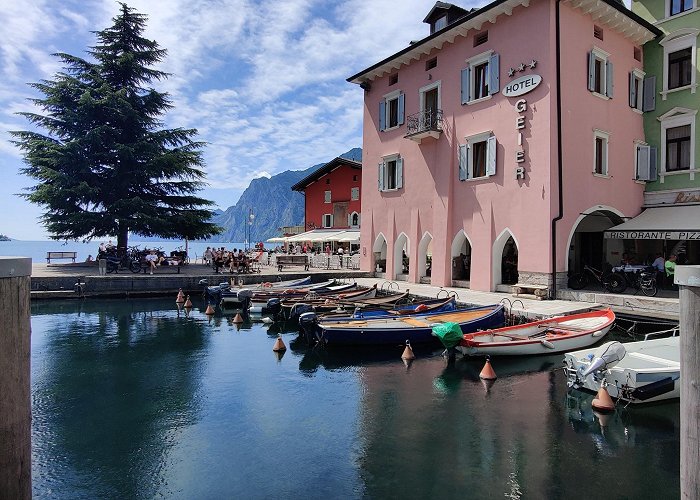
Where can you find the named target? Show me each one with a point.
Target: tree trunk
(123, 236)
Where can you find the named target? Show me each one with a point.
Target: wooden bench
(539, 291)
(292, 260)
(60, 255)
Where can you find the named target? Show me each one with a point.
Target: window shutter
(609, 83)
(462, 158)
(380, 176)
(643, 163)
(491, 156)
(591, 72)
(401, 108)
(382, 115)
(330, 217)
(349, 220)
(494, 74)
(465, 85)
(633, 94)
(399, 173)
(649, 95)
(652, 164)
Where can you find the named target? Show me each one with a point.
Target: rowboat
(397, 329)
(292, 308)
(215, 293)
(558, 334)
(420, 308)
(636, 372)
(261, 301)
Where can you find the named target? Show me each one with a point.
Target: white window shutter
(633, 93)
(349, 220)
(402, 105)
(609, 81)
(653, 168)
(649, 95)
(380, 176)
(462, 160)
(399, 173)
(465, 85)
(331, 219)
(491, 156)
(494, 74)
(643, 163)
(382, 115)
(591, 71)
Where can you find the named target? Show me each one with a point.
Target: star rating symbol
(521, 67)
(533, 63)
(511, 72)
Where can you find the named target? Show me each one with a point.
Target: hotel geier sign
(521, 86)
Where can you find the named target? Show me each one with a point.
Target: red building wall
(339, 182)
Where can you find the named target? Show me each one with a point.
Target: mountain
(273, 203)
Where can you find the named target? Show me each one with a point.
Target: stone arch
(505, 241)
(424, 251)
(401, 246)
(586, 243)
(379, 252)
(461, 246)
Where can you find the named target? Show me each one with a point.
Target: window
(679, 68)
(328, 181)
(637, 54)
(598, 32)
(354, 178)
(636, 90)
(391, 111)
(391, 173)
(600, 152)
(430, 106)
(431, 63)
(680, 65)
(327, 220)
(355, 193)
(644, 162)
(678, 148)
(481, 77)
(678, 6)
(393, 79)
(600, 73)
(439, 24)
(477, 158)
(327, 197)
(354, 220)
(480, 38)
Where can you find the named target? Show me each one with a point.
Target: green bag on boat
(449, 334)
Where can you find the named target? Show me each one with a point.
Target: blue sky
(262, 81)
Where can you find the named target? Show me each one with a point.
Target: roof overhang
(326, 169)
(660, 223)
(606, 12)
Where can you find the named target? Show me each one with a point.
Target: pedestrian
(670, 267)
(152, 258)
(659, 266)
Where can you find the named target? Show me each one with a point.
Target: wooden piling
(688, 280)
(15, 402)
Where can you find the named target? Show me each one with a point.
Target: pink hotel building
(498, 148)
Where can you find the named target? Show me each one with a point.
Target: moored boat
(261, 302)
(558, 334)
(397, 329)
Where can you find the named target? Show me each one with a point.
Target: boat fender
(547, 344)
(598, 333)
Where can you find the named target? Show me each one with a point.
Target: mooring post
(688, 280)
(15, 403)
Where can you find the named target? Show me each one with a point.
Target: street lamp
(251, 218)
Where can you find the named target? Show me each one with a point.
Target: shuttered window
(477, 158)
(481, 78)
(600, 73)
(390, 175)
(391, 111)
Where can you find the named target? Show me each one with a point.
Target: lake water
(37, 249)
(133, 399)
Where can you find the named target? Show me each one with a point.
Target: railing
(424, 121)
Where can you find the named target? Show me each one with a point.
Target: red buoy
(487, 372)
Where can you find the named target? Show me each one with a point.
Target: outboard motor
(273, 306)
(244, 295)
(299, 309)
(308, 323)
(606, 356)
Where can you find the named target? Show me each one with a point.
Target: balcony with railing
(427, 123)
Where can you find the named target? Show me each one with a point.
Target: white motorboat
(635, 372)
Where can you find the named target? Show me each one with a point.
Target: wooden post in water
(15, 403)
(688, 280)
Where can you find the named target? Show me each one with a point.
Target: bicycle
(643, 280)
(610, 281)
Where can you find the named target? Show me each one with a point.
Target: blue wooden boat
(394, 330)
(417, 309)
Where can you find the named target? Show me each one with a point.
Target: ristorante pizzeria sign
(653, 235)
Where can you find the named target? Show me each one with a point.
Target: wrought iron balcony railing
(424, 122)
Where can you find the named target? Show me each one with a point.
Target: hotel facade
(499, 148)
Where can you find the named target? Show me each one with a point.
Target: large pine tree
(106, 165)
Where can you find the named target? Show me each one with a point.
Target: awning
(276, 239)
(349, 237)
(661, 223)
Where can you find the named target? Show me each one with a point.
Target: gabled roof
(324, 170)
(609, 13)
(444, 7)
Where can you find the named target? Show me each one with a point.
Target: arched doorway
(461, 257)
(505, 259)
(425, 256)
(401, 252)
(587, 243)
(379, 250)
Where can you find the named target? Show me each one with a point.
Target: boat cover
(449, 334)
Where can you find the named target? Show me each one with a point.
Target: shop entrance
(505, 259)
(461, 257)
(425, 256)
(379, 250)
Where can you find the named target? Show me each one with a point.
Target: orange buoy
(602, 401)
(180, 297)
(279, 345)
(210, 310)
(238, 318)
(408, 352)
(487, 372)
(188, 303)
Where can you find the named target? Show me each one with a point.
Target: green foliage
(106, 166)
